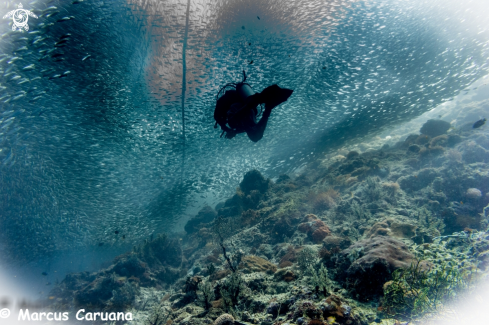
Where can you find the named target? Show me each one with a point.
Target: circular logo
(4, 313)
(20, 17)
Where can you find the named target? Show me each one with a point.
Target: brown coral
(250, 264)
(315, 229)
(224, 319)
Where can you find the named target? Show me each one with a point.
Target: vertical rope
(184, 85)
(184, 71)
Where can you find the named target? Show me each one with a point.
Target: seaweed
(320, 280)
(205, 294)
(158, 317)
(426, 219)
(414, 292)
(306, 257)
(359, 212)
(373, 190)
(232, 291)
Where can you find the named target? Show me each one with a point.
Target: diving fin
(273, 96)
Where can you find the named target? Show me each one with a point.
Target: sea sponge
(224, 319)
(473, 193)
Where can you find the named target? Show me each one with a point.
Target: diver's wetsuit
(241, 114)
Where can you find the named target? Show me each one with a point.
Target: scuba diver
(236, 111)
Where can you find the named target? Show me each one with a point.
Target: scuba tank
(242, 88)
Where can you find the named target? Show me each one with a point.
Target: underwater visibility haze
(369, 186)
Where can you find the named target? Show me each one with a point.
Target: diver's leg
(255, 133)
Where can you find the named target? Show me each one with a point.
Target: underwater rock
(422, 139)
(352, 155)
(424, 178)
(218, 275)
(369, 263)
(473, 194)
(453, 139)
(286, 275)
(434, 128)
(331, 242)
(392, 228)
(251, 263)
(474, 153)
(107, 292)
(205, 215)
(431, 152)
(335, 306)
(289, 258)
(414, 148)
(441, 140)
(315, 229)
(224, 319)
(283, 227)
(410, 139)
(162, 251)
(254, 180)
(129, 266)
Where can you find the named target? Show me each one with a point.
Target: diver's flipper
(273, 96)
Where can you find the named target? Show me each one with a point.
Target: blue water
(103, 147)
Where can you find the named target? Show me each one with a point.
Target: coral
(123, 296)
(352, 154)
(205, 215)
(475, 153)
(249, 217)
(250, 264)
(224, 319)
(273, 309)
(415, 292)
(233, 290)
(289, 257)
(473, 194)
(106, 292)
(434, 128)
(306, 257)
(391, 187)
(331, 242)
(390, 227)
(254, 180)
(372, 190)
(285, 275)
(158, 317)
(335, 306)
(370, 263)
(205, 294)
(315, 229)
(441, 140)
(323, 200)
(283, 228)
(422, 139)
(453, 156)
(221, 274)
(319, 280)
(416, 182)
